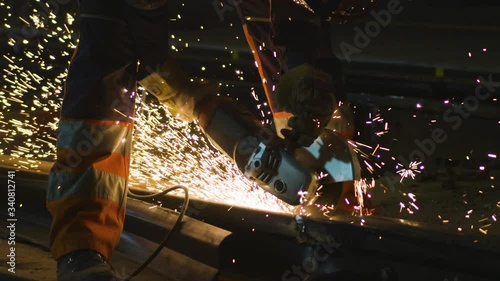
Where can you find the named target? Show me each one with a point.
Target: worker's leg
(148, 21)
(287, 24)
(87, 185)
(276, 32)
(258, 21)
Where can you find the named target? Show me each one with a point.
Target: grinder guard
(333, 156)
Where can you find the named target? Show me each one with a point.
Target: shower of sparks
(370, 165)
(411, 171)
(411, 205)
(168, 151)
(360, 191)
(165, 151)
(30, 99)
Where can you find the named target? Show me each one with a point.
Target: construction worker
(293, 50)
(87, 189)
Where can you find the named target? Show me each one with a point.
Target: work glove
(342, 121)
(308, 94)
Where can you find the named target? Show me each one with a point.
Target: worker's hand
(308, 94)
(342, 121)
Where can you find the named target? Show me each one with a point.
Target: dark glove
(308, 94)
(303, 133)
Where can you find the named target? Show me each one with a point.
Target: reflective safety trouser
(88, 183)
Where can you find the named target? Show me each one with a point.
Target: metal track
(231, 243)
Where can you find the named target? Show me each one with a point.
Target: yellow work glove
(307, 93)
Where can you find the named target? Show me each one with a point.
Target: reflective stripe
(89, 135)
(282, 114)
(71, 161)
(116, 164)
(91, 182)
(101, 122)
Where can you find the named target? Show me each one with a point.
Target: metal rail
(224, 239)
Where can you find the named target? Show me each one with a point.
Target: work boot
(84, 265)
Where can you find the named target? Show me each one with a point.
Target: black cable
(175, 228)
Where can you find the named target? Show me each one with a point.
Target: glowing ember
(360, 189)
(411, 171)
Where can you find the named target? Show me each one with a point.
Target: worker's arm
(257, 151)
